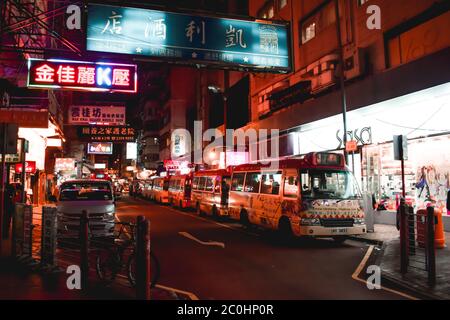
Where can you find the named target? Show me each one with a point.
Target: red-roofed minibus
(159, 189)
(180, 190)
(315, 196)
(210, 189)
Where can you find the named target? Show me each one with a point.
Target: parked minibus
(210, 190)
(180, 190)
(159, 189)
(314, 196)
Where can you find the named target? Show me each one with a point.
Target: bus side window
(237, 182)
(290, 187)
(201, 183)
(209, 184)
(216, 184)
(271, 183)
(195, 183)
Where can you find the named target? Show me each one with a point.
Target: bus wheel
(285, 229)
(340, 239)
(244, 219)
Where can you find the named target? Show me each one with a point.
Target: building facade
(396, 83)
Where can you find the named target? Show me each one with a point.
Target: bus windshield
(329, 184)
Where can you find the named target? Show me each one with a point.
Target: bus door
(225, 184)
(291, 191)
(268, 203)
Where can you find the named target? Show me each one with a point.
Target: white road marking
(189, 294)
(213, 222)
(209, 243)
(362, 264)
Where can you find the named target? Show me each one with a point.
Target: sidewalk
(415, 280)
(19, 282)
(382, 233)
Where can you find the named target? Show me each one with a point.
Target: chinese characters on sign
(78, 75)
(100, 148)
(107, 133)
(64, 164)
(108, 115)
(30, 167)
(220, 41)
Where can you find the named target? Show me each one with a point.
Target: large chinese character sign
(225, 42)
(81, 75)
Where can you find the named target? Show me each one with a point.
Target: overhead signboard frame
(229, 43)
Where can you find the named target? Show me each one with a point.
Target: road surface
(222, 260)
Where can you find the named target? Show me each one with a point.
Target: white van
(94, 196)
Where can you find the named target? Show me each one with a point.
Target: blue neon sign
(198, 39)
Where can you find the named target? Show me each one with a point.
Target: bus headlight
(358, 221)
(310, 222)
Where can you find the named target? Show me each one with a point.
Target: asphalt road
(222, 260)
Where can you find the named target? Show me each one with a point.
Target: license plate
(340, 230)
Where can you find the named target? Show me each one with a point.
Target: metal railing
(417, 240)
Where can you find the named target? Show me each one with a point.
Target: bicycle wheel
(107, 265)
(154, 269)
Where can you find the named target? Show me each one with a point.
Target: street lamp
(224, 93)
(341, 76)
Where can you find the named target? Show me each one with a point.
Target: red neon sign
(30, 167)
(80, 75)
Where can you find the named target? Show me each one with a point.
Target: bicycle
(111, 261)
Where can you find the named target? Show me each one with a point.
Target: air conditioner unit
(323, 81)
(354, 62)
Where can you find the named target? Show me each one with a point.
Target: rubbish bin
(421, 225)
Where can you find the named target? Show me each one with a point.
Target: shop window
(319, 21)
(209, 184)
(271, 183)
(237, 182)
(291, 187)
(252, 182)
(419, 41)
(268, 10)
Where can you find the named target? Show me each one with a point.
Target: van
(96, 197)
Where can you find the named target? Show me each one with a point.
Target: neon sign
(81, 75)
(100, 148)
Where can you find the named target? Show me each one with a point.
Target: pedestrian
(448, 202)
(130, 189)
(8, 209)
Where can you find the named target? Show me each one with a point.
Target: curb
(369, 241)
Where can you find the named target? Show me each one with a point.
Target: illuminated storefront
(39, 139)
(423, 116)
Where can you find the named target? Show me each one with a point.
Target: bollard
(84, 249)
(30, 241)
(403, 237)
(431, 247)
(143, 259)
